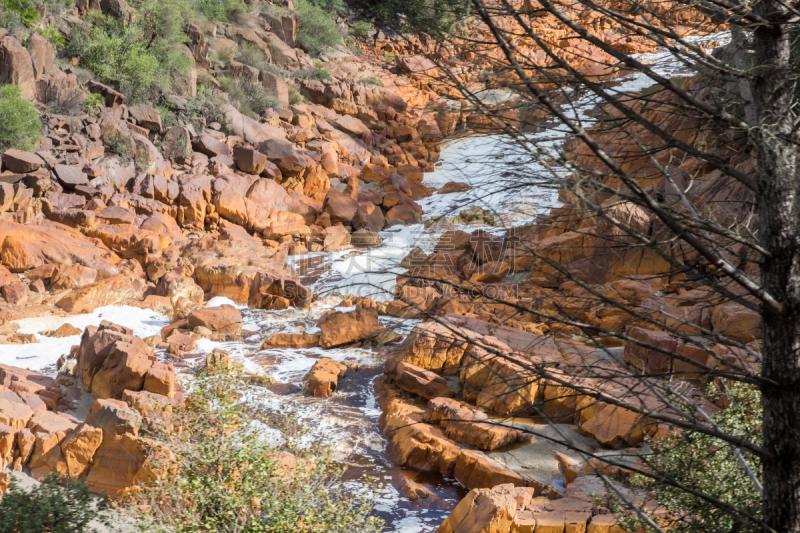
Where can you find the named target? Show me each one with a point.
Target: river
(506, 181)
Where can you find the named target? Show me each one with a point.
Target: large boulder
(248, 160)
(276, 87)
(21, 162)
(208, 145)
(223, 320)
(78, 449)
(16, 67)
(341, 207)
(346, 328)
(281, 152)
(116, 290)
(42, 55)
(323, 378)
(282, 54)
(250, 129)
(421, 382)
(467, 424)
(25, 247)
(111, 359)
(146, 117)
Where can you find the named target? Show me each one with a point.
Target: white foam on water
(217, 301)
(43, 355)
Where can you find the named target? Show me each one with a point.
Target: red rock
(145, 402)
(403, 215)
(374, 173)
(176, 284)
(114, 417)
(736, 322)
(21, 162)
(16, 67)
(116, 464)
(50, 422)
(492, 510)
(160, 379)
(485, 247)
(116, 215)
(183, 343)
(79, 448)
(42, 55)
(112, 97)
(350, 124)
(146, 117)
(71, 176)
(15, 414)
(423, 448)
(60, 200)
(15, 293)
(345, 328)
(225, 319)
(422, 382)
(116, 290)
(38, 287)
(454, 186)
(464, 423)
(208, 145)
(249, 160)
(475, 470)
(72, 277)
(110, 359)
(322, 379)
(25, 247)
(291, 340)
(340, 207)
(281, 152)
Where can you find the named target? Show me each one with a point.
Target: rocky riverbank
(157, 249)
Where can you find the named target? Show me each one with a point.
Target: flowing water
(506, 180)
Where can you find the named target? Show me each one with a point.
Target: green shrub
(56, 506)
(390, 56)
(213, 10)
(372, 80)
(295, 96)
(206, 108)
(142, 58)
(54, 36)
(220, 10)
(169, 118)
(94, 103)
(360, 28)
(120, 144)
(20, 126)
(316, 28)
(331, 6)
(313, 73)
(19, 12)
(224, 52)
(251, 98)
(709, 466)
(252, 55)
(227, 477)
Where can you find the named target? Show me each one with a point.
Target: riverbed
(506, 181)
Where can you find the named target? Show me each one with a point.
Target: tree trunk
(779, 233)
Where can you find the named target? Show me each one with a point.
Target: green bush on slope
(56, 506)
(20, 126)
(141, 58)
(18, 13)
(316, 27)
(706, 465)
(230, 475)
